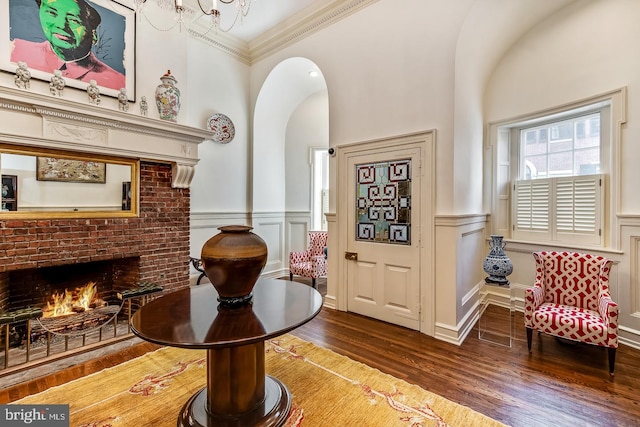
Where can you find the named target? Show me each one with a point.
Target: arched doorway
(290, 128)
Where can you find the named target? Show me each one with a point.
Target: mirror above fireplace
(45, 183)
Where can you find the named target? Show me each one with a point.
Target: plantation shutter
(566, 209)
(532, 205)
(576, 202)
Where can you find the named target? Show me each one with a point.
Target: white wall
(489, 29)
(280, 94)
(308, 128)
(389, 71)
(554, 65)
(584, 50)
(219, 85)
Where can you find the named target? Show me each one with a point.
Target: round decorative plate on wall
(222, 128)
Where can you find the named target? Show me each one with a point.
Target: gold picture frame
(70, 170)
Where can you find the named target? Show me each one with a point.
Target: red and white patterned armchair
(311, 262)
(570, 299)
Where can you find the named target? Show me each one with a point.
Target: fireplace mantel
(45, 121)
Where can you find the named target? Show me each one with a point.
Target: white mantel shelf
(46, 121)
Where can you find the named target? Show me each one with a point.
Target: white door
(383, 243)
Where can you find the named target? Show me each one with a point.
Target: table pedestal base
(272, 412)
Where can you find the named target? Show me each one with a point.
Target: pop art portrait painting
(85, 40)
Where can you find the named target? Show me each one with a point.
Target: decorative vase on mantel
(233, 260)
(497, 264)
(168, 98)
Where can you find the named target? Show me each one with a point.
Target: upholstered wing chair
(570, 299)
(312, 262)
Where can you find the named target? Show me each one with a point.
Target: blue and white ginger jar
(497, 264)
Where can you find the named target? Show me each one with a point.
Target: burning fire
(71, 302)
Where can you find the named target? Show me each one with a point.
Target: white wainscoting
(627, 289)
(298, 225)
(270, 226)
(460, 248)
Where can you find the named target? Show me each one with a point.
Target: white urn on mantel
(168, 98)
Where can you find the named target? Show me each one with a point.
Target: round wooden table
(238, 393)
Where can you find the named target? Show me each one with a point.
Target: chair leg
(313, 283)
(612, 360)
(529, 338)
(202, 276)
(291, 276)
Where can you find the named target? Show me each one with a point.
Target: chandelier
(178, 8)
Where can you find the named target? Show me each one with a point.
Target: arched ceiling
(492, 26)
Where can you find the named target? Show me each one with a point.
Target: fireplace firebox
(53, 310)
(35, 287)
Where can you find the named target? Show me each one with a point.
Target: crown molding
(229, 44)
(301, 25)
(297, 27)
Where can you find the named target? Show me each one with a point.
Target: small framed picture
(69, 170)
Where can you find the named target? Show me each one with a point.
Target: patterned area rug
(327, 390)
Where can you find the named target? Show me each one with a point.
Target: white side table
(496, 316)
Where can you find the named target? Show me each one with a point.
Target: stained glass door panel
(383, 202)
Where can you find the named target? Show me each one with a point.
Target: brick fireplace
(42, 255)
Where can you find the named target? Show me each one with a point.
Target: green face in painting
(66, 27)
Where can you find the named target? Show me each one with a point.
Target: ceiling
(264, 15)
(268, 26)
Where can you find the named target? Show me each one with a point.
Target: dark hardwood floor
(557, 385)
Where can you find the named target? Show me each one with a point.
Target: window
(558, 185)
(555, 175)
(574, 148)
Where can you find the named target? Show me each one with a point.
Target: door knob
(352, 256)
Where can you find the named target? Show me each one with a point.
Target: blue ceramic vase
(497, 264)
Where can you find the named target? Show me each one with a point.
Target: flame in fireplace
(71, 302)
